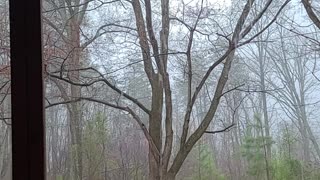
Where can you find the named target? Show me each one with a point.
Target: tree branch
(155, 150)
(312, 15)
(104, 80)
(221, 130)
(267, 26)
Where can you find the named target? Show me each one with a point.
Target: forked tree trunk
(160, 83)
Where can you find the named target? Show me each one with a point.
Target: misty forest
(175, 89)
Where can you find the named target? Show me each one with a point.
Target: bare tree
(157, 50)
(293, 73)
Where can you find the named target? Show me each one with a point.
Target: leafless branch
(5, 121)
(312, 15)
(226, 129)
(267, 26)
(107, 82)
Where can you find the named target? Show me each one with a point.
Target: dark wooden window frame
(28, 142)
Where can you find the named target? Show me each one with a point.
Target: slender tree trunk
(8, 172)
(265, 110)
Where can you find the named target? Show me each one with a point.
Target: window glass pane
(5, 104)
(181, 89)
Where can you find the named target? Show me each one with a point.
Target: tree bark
(75, 92)
(155, 127)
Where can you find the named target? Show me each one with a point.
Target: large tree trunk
(160, 83)
(75, 116)
(76, 143)
(155, 127)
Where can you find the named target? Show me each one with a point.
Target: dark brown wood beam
(28, 142)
